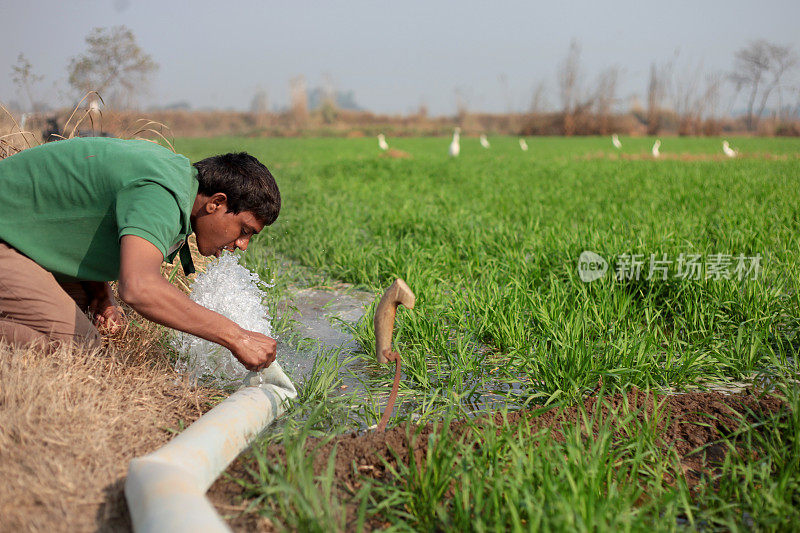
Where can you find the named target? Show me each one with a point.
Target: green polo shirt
(66, 204)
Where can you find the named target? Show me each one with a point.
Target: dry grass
(70, 422)
(13, 139)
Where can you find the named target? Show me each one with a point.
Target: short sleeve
(149, 211)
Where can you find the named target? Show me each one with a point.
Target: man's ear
(216, 201)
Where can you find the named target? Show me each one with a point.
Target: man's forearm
(160, 301)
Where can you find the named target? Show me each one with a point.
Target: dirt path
(693, 420)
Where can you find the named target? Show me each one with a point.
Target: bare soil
(683, 156)
(391, 153)
(691, 421)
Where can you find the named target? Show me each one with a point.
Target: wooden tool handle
(397, 294)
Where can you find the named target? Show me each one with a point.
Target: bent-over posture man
(78, 213)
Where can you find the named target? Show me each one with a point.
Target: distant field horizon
(339, 123)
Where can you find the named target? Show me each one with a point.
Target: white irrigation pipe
(166, 489)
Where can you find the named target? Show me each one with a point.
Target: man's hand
(254, 350)
(107, 316)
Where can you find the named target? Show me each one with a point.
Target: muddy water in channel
(319, 314)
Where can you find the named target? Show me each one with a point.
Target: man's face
(219, 229)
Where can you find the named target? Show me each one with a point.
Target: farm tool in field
(397, 294)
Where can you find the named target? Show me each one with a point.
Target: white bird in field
(382, 142)
(455, 145)
(523, 145)
(656, 146)
(730, 152)
(615, 141)
(484, 141)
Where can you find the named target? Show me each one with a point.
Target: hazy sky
(393, 55)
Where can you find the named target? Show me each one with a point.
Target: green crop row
(490, 243)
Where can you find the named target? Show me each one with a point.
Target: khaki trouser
(35, 307)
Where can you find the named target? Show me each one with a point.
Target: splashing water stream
(235, 292)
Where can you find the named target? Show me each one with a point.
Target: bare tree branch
(656, 91)
(759, 67)
(606, 96)
(568, 84)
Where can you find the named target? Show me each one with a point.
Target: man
(79, 213)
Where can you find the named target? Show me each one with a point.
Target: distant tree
(25, 79)
(606, 97)
(692, 100)
(113, 65)
(462, 99)
(758, 69)
(656, 90)
(422, 109)
(577, 102)
(299, 98)
(710, 106)
(794, 111)
(569, 77)
(260, 102)
(328, 108)
(259, 107)
(786, 109)
(686, 99)
(538, 99)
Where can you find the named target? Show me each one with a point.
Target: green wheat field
(701, 291)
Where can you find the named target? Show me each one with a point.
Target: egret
(656, 146)
(730, 152)
(523, 145)
(615, 141)
(382, 142)
(484, 141)
(455, 145)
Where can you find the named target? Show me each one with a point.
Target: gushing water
(235, 292)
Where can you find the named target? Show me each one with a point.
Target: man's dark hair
(246, 182)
